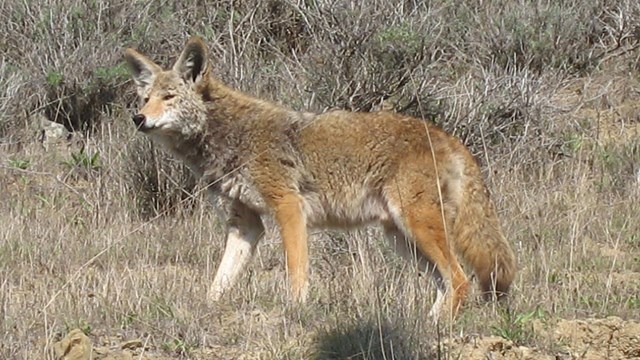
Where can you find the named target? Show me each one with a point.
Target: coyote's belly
(351, 207)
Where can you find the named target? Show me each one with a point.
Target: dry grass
(107, 234)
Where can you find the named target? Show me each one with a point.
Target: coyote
(337, 169)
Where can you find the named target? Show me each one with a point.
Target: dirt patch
(611, 338)
(78, 346)
(628, 279)
(611, 103)
(492, 347)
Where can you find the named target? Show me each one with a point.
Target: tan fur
(337, 169)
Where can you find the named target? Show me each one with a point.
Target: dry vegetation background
(104, 232)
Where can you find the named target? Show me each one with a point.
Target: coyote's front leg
(293, 230)
(244, 231)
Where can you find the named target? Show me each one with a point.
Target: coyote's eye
(169, 96)
(146, 99)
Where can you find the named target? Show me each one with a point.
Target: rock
(51, 132)
(75, 346)
(131, 344)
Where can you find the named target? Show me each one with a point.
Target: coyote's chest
(238, 186)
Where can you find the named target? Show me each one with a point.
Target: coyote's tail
(479, 240)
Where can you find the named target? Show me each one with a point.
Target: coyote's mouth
(144, 128)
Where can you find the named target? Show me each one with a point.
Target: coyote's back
(338, 169)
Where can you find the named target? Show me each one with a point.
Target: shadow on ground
(366, 340)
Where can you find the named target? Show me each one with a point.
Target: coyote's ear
(142, 69)
(192, 64)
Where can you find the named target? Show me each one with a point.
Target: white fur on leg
(301, 295)
(241, 244)
(437, 306)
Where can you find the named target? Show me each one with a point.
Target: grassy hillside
(102, 231)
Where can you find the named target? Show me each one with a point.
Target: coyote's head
(171, 104)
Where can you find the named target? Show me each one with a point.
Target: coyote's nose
(138, 119)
